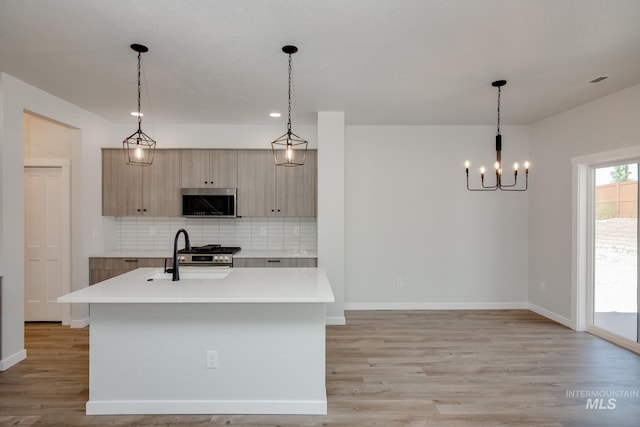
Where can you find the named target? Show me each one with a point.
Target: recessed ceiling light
(275, 115)
(136, 114)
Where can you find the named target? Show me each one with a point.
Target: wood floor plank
(384, 368)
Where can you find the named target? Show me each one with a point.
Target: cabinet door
(209, 168)
(256, 183)
(161, 185)
(195, 168)
(223, 168)
(121, 185)
(296, 188)
(101, 269)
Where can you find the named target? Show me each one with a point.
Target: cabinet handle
(131, 260)
(138, 210)
(273, 260)
(144, 210)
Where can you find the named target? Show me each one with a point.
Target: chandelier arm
(494, 188)
(526, 185)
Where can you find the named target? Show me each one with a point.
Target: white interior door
(46, 263)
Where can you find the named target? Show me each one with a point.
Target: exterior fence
(617, 200)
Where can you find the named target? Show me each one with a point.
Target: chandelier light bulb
(139, 153)
(515, 166)
(526, 165)
(496, 165)
(482, 170)
(289, 153)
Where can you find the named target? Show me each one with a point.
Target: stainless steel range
(208, 255)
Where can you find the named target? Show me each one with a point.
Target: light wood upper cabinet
(209, 168)
(296, 188)
(130, 190)
(256, 185)
(265, 189)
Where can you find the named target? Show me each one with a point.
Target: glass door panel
(615, 292)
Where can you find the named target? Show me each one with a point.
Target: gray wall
(608, 123)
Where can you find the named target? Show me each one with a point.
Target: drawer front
(275, 262)
(124, 263)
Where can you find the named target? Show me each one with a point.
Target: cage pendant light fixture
(289, 149)
(139, 147)
(499, 183)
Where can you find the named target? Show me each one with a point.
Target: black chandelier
(499, 185)
(139, 147)
(289, 149)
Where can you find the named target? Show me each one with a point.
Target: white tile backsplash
(251, 233)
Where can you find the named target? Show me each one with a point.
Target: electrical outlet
(152, 231)
(399, 282)
(211, 359)
(263, 231)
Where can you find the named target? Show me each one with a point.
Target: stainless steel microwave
(209, 202)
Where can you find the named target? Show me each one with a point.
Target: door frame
(582, 273)
(65, 166)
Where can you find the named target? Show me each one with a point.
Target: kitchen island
(220, 340)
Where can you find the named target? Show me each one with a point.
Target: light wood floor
(385, 368)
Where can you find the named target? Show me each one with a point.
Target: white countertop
(244, 253)
(241, 285)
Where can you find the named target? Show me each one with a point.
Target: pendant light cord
(139, 91)
(289, 122)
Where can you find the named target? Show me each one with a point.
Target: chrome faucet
(187, 246)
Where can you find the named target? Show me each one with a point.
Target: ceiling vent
(598, 79)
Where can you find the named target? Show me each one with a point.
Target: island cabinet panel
(131, 190)
(101, 269)
(209, 168)
(275, 262)
(265, 189)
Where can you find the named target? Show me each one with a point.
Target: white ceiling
(390, 62)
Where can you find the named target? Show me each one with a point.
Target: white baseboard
(80, 323)
(553, 316)
(336, 320)
(13, 360)
(437, 306)
(128, 407)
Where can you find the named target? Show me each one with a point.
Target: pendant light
(139, 148)
(289, 149)
(499, 185)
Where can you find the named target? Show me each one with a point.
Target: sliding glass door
(615, 251)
